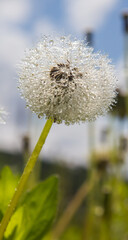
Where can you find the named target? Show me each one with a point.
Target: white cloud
(87, 14)
(13, 41)
(12, 44)
(68, 143)
(121, 75)
(9, 138)
(14, 11)
(44, 26)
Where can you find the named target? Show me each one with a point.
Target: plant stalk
(72, 208)
(21, 185)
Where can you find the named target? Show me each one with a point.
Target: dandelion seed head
(64, 80)
(3, 114)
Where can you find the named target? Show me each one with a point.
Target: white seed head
(64, 80)
(2, 115)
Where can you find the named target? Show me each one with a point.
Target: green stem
(28, 169)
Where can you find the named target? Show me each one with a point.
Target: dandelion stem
(28, 169)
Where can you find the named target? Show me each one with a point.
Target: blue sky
(22, 22)
(108, 36)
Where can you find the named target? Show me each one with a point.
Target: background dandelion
(2, 115)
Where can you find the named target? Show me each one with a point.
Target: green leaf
(36, 214)
(8, 182)
(15, 223)
(12, 236)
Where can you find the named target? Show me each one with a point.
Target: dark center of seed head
(62, 71)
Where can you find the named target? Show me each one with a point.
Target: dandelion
(2, 115)
(65, 81)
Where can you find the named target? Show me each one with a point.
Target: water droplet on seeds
(51, 42)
